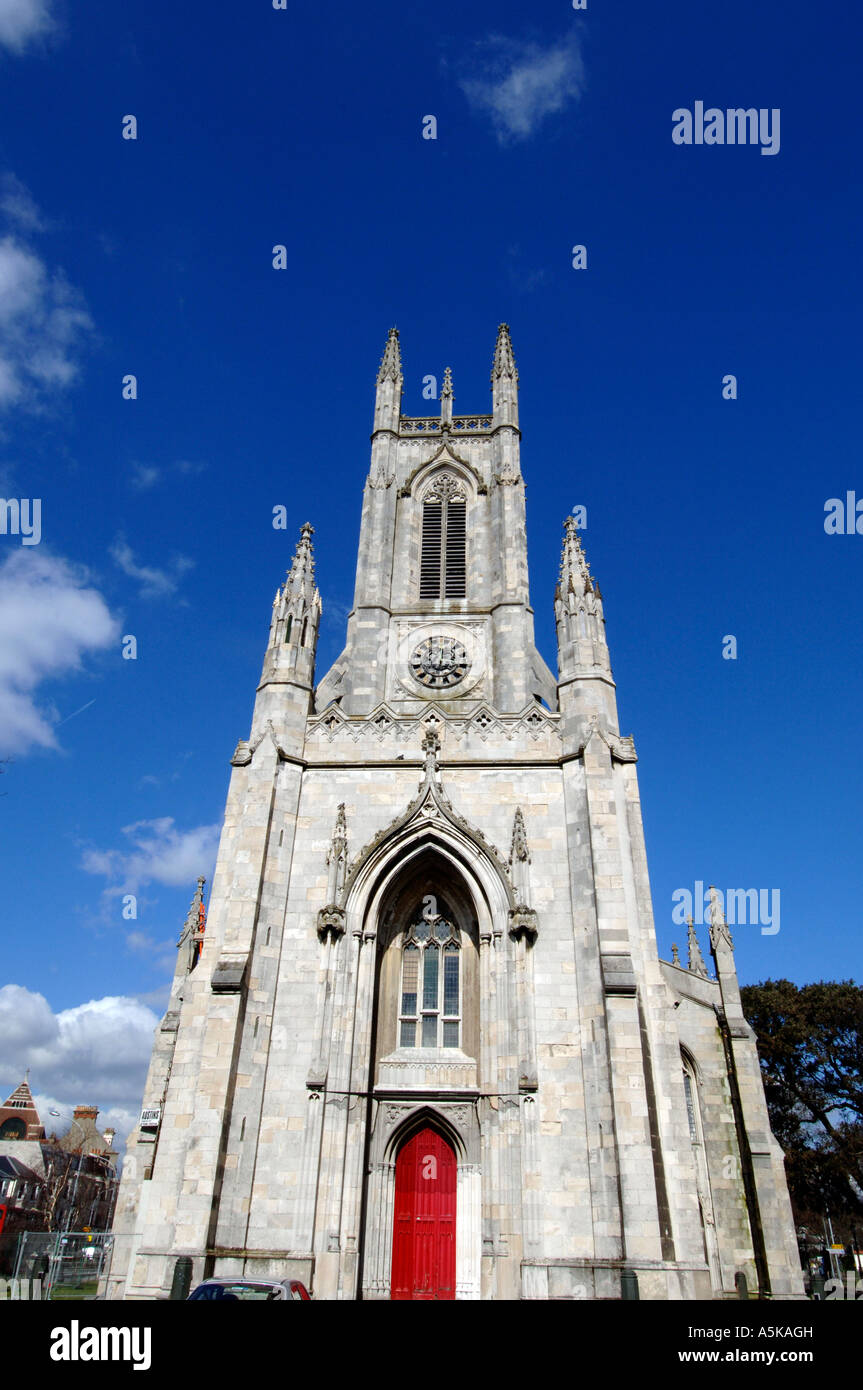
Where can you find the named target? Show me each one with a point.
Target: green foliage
(810, 1041)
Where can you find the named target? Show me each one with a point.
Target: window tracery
(430, 994)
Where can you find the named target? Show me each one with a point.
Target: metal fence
(60, 1265)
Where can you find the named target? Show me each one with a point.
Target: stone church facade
(425, 1047)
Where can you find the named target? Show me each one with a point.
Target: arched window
(288, 625)
(702, 1174)
(303, 633)
(443, 560)
(691, 1101)
(430, 995)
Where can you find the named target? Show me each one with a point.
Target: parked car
(255, 1290)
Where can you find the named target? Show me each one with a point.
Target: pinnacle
(695, 961)
(299, 587)
(574, 570)
(518, 849)
(194, 914)
(446, 389)
(391, 362)
(504, 360)
(303, 563)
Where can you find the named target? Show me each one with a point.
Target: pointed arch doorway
(424, 1226)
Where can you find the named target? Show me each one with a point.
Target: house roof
(13, 1168)
(83, 1136)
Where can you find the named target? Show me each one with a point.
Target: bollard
(741, 1285)
(629, 1286)
(182, 1280)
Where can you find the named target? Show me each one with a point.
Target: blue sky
(303, 127)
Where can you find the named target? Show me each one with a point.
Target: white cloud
(155, 583)
(147, 475)
(159, 853)
(49, 618)
(18, 205)
(520, 84)
(94, 1054)
(22, 21)
(43, 323)
(144, 476)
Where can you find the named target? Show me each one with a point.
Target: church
(422, 1045)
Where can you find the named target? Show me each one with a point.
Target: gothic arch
(689, 1060)
(445, 461)
(463, 846)
(425, 1115)
(399, 915)
(395, 1124)
(695, 1124)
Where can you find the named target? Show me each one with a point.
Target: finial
(518, 849)
(675, 955)
(719, 930)
(446, 399)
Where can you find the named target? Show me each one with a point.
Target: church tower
(424, 1047)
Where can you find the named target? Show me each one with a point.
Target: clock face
(439, 662)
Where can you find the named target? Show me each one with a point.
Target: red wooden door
(424, 1226)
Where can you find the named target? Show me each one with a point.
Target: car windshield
(259, 1292)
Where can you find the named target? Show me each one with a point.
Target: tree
(810, 1041)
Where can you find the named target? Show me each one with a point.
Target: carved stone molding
(621, 747)
(331, 919)
(384, 726)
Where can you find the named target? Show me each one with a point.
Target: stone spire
(290, 656)
(390, 384)
(504, 359)
(695, 962)
(391, 362)
(582, 650)
(298, 601)
(575, 577)
(504, 380)
(446, 397)
(301, 575)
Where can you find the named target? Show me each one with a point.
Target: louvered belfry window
(443, 562)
